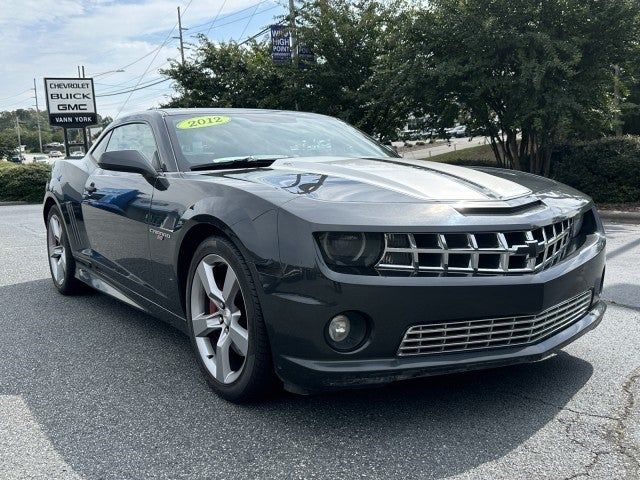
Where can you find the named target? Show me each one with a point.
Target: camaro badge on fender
(159, 235)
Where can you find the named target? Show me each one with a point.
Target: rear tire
(61, 262)
(226, 326)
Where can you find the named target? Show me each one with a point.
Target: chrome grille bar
(490, 253)
(461, 336)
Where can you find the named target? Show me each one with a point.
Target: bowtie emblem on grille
(532, 249)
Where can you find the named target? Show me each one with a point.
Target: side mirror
(127, 161)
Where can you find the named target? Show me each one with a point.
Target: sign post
(71, 103)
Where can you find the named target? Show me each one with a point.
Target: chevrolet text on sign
(71, 102)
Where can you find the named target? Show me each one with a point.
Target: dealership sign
(280, 45)
(71, 102)
(281, 48)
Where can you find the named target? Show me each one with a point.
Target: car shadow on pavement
(119, 395)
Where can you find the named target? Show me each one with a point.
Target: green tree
(525, 73)
(232, 76)
(8, 142)
(347, 39)
(631, 111)
(28, 120)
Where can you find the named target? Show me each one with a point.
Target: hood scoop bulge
(422, 180)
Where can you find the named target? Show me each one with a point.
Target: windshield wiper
(238, 162)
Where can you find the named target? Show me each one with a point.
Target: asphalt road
(90, 388)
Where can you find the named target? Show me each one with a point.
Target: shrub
(472, 162)
(23, 182)
(607, 169)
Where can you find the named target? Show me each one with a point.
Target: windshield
(209, 138)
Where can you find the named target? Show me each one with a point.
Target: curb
(11, 204)
(620, 216)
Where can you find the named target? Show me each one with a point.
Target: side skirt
(112, 288)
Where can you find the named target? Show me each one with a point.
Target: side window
(100, 147)
(134, 136)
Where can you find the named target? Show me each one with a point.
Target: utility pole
(180, 36)
(35, 93)
(292, 32)
(294, 45)
(616, 96)
(18, 132)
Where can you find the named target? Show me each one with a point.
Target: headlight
(577, 225)
(586, 224)
(351, 249)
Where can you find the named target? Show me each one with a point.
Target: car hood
(387, 180)
(403, 192)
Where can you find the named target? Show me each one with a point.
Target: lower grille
(493, 333)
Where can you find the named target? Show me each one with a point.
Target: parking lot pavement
(90, 388)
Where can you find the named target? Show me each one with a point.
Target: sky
(50, 38)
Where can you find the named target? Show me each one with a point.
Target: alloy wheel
(57, 258)
(219, 319)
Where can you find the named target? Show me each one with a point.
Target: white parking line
(25, 450)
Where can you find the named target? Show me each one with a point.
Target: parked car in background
(459, 131)
(430, 133)
(40, 159)
(290, 246)
(53, 146)
(18, 158)
(55, 154)
(76, 154)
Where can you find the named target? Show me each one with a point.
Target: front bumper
(305, 376)
(299, 306)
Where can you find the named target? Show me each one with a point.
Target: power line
(194, 33)
(157, 50)
(150, 63)
(14, 96)
(249, 21)
(117, 86)
(126, 87)
(160, 47)
(216, 17)
(264, 30)
(232, 14)
(141, 87)
(15, 103)
(138, 100)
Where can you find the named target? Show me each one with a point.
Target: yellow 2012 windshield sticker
(201, 122)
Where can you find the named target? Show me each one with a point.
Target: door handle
(91, 188)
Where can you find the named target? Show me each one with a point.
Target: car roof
(168, 112)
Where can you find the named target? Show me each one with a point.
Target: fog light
(347, 331)
(339, 328)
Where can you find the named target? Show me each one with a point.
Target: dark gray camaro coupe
(291, 246)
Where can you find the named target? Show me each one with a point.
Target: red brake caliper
(213, 308)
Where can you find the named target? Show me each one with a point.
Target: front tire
(61, 262)
(225, 323)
